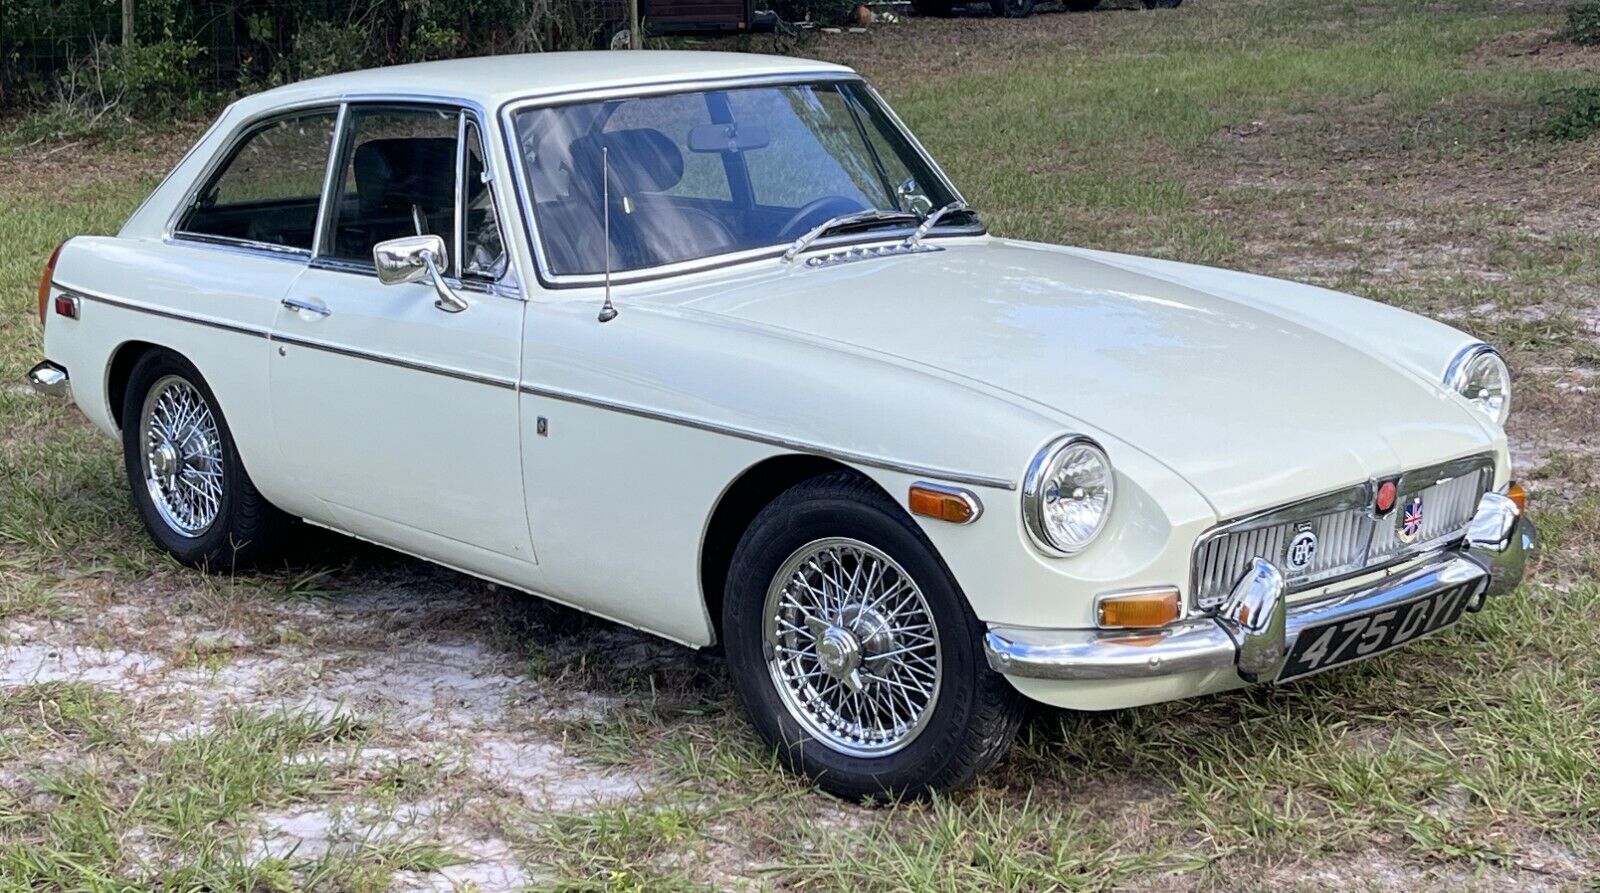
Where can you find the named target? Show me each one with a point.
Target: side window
(269, 189)
(483, 253)
(398, 179)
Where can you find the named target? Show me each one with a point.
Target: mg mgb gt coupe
(709, 345)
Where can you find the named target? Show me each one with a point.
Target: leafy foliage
(1583, 23)
(190, 55)
(1577, 113)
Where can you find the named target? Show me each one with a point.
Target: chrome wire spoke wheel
(852, 647)
(183, 469)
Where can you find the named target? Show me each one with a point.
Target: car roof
(493, 80)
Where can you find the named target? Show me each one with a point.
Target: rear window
(268, 190)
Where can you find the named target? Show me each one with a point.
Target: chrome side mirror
(413, 259)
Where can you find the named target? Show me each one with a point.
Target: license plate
(1356, 638)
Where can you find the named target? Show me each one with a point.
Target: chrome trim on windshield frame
(524, 193)
(938, 474)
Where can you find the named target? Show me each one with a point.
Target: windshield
(707, 173)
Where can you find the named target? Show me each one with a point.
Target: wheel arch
(740, 502)
(120, 369)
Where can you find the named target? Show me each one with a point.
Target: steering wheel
(816, 211)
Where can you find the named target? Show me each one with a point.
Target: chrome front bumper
(1255, 630)
(50, 380)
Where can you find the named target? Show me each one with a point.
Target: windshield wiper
(932, 220)
(844, 221)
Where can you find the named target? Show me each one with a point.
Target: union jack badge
(1411, 521)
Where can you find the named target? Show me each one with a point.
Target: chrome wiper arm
(932, 220)
(871, 215)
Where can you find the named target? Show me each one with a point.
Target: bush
(154, 78)
(823, 12)
(1583, 23)
(1577, 113)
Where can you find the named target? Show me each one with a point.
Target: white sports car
(708, 345)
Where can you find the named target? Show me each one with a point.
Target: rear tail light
(44, 281)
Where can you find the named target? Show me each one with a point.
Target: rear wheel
(187, 481)
(854, 652)
(1013, 9)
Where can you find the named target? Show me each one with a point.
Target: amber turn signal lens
(955, 506)
(1519, 495)
(1139, 610)
(44, 281)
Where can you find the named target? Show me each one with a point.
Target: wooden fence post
(127, 23)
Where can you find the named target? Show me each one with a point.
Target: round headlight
(1480, 375)
(1067, 495)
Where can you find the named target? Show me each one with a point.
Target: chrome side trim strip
(941, 474)
(211, 322)
(397, 362)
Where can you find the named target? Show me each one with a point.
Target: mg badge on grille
(1411, 521)
(1302, 549)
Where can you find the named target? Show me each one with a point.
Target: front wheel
(854, 652)
(187, 481)
(1013, 9)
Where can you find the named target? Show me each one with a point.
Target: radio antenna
(608, 312)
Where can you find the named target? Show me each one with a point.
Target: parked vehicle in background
(1017, 9)
(667, 18)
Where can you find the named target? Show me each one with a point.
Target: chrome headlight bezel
(1465, 367)
(1044, 467)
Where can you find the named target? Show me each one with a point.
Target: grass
(1388, 149)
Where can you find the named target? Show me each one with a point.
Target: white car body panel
(524, 441)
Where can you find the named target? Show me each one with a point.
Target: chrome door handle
(308, 306)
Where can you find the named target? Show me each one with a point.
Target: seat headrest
(642, 160)
(397, 173)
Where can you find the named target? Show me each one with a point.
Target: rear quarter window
(268, 189)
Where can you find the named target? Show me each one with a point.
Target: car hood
(1243, 401)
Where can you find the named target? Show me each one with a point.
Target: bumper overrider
(50, 380)
(1256, 630)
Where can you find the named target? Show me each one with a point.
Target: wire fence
(212, 45)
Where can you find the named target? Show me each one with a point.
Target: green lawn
(1394, 149)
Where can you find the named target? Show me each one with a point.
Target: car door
(400, 415)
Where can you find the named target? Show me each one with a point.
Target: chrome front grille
(1350, 537)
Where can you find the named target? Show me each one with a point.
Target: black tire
(614, 36)
(976, 712)
(246, 529)
(1080, 5)
(1013, 9)
(935, 8)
